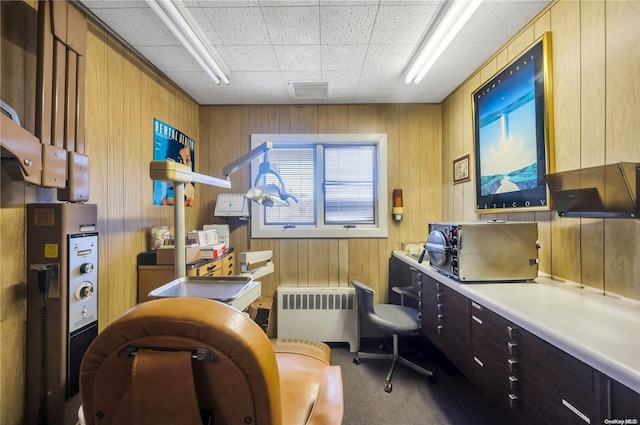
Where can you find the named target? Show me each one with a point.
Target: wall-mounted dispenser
(397, 204)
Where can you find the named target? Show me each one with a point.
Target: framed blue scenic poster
(513, 134)
(171, 144)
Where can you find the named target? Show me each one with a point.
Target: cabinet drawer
(539, 360)
(492, 326)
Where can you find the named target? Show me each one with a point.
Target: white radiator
(328, 314)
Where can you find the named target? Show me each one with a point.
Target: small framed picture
(461, 169)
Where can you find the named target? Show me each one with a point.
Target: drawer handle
(513, 348)
(440, 308)
(513, 382)
(441, 318)
(576, 411)
(439, 297)
(440, 328)
(211, 268)
(513, 400)
(477, 360)
(513, 331)
(476, 305)
(513, 364)
(476, 319)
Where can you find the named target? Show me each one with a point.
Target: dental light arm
(246, 159)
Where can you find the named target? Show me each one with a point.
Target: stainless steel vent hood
(607, 191)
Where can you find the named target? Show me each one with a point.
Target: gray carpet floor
(413, 400)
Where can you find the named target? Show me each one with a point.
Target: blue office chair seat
(394, 320)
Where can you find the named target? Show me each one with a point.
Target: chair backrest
(364, 294)
(165, 361)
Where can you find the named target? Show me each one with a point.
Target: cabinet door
(445, 321)
(625, 403)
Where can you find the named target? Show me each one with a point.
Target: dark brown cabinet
(531, 380)
(445, 320)
(527, 377)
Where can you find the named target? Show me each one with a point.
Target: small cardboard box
(165, 256)
(214, 251)
(260, 311)
(203, 237)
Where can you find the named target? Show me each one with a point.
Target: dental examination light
(268, 195)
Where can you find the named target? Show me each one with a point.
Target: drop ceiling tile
(205, 26)
(170, 58)
(341, 80)
(282, 3)
(293, 25)
(298, 58)
(238, 26)
(371, 96)
(199, 86)
(253, 58)
(301, 76)
(139, 26)
(349, 2)
(272, 97)
(264, 80)
(343, 57)
(403, 24)
(346, 24)
(229, 3)
(114, 4)
(342, 96)
(385, 60)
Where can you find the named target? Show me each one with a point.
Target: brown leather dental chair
(194, 361)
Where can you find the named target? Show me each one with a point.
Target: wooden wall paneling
(411, 164)
(468, 187)
(359, 264)
(333, 263)
(592, 108)
(96, 146)
(318, 263)
(458, 149)
(134, 229)
(116, 254)
(343, 262)
(395, 159)
(287, 263)
(622, 126)
(447, 198)
(565, 22)
(302, 263)
(17, 87)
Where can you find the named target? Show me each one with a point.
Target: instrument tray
(223, 289)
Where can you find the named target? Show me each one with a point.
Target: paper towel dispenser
(606, 191)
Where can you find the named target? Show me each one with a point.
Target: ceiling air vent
(309, 89)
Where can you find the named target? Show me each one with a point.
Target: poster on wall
(173, 145)
(513, 134)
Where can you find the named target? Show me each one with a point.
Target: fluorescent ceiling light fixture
(172, 15)
(456, 16)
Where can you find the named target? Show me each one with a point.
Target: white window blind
(338, 179)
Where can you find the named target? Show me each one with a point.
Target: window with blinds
(338, 180)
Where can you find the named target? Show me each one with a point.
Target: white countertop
(600, 330)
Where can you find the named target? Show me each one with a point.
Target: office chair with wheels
(394, 320)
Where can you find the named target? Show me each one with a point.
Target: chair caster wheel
(356, 360)
(433, 378)
(388, 388)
